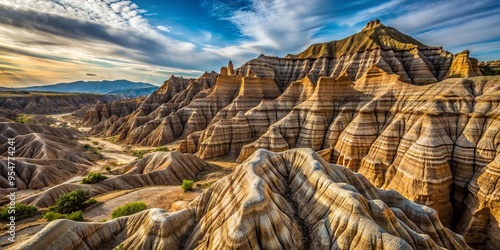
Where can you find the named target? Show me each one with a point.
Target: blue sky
(46, 42)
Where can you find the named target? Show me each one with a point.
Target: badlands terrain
(372, 141)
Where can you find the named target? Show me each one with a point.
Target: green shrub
(108, 168)
(94, 178)
(22, 118)
(51, 215)
(95, 142)
(87, 146)
(112, 163)
(72, 202)
(22, 211)
(162, 148)
(119, 247)
(187, 185)
(139, 153)
(76, 216)
(128, 209)
(89, 202)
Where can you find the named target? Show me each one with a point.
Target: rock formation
(490, 67)
(103, 111)
(44, 155)
(409, 117)
(290, 200)
(49, 103)
(377, 44)
(220, 96)
(160, 168)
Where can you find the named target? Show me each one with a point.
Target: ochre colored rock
(379, 102)
(464, 66)
(160, 168)
(290, 200)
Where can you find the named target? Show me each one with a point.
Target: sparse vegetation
(51, 215)
(127, 148)
(113, 138)
(94, 150)
(162, 148)
(94, 178)
(489, 71)
(72, 202)
(119, 247)
(112, 163)
(22, 211)
(22, 118)
(187, 184)
(108, 168)
(95, 142)
(139, 153)
(128, 209)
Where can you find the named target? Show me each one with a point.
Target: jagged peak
(373, 24)
(375, 35)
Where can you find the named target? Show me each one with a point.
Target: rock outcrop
(219, 96)
(50, 103)
(160, 168)
(290, 200)
(99, 112)
(44, 156)
(410, 117)
(377, 44)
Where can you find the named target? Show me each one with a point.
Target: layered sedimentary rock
(410, 117)
(377, 44)
(160, 168)
(50, 103)
(219, 96)
(290, 200)
(44, 155)
(490, 67)
(103, 111)
(463, 66)
(425, 142)
(259, 118)
(173, 95)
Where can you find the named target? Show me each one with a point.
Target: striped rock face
(409, 117)
(289, 200)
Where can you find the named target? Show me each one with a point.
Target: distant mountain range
(117, 87)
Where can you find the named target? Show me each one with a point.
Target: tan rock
(463, 66)
(160, 168)
(44, 155)
(290, 200)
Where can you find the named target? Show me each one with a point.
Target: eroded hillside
(372, 141)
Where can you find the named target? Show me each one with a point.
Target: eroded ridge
(288, 200)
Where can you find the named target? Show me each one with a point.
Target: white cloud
(206, 34)
(98, 31)
(279, 27)
(115, 38)
(164, 28)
